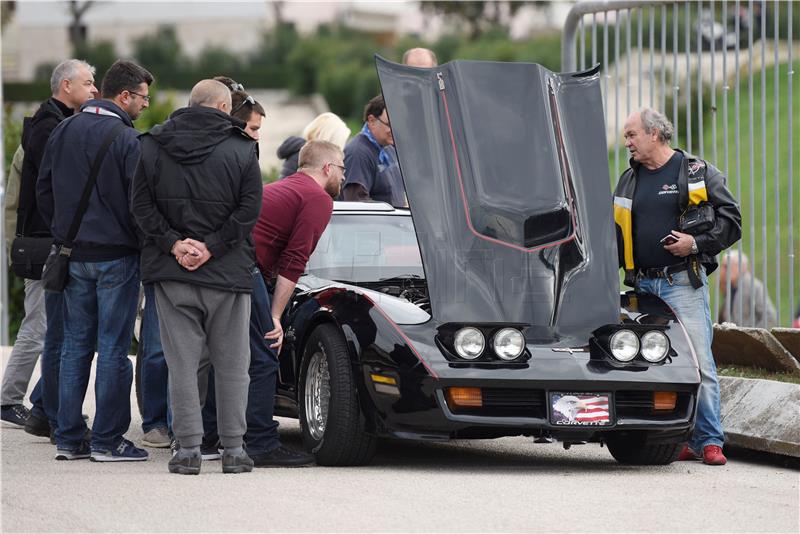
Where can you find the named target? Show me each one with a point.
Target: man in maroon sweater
(294, 213)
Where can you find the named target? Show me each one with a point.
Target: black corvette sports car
(491, 307)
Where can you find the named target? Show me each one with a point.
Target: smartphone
(668, 239)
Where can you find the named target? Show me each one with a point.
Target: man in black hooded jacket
(196, 197)
(72, 84)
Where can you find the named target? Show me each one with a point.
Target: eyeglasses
(146, 98)
(386, 123)
(249, 100)
(236, 87)
(342, 167)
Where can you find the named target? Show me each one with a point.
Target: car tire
(330, 416)
(632, 449)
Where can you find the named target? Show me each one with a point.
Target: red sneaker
(687, 454)
(712, 455)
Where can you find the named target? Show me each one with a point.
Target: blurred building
(37, 33)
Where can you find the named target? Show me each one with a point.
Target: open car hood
(506, 172)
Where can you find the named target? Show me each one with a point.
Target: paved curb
(761, 415)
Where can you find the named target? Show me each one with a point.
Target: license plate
(580, 409)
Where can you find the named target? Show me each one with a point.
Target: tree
(77, 29)
(478, 16)
(161, 53)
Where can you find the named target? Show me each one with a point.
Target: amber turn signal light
(465, 397)
(664, 400)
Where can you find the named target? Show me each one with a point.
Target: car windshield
(367, 248)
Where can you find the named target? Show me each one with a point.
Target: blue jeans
(154, 374)
(100, 309)
(45, 402)
(262, 429)
(693, 310)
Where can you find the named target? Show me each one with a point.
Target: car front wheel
(330, 418)
(633, 449)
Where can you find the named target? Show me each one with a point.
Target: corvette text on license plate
(583, 409)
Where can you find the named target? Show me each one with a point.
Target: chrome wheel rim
(317, 395)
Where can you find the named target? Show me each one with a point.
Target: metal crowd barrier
(696, 62)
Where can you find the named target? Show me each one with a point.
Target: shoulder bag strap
(87, 190)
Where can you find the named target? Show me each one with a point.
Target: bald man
(196, 197)
(420, 57)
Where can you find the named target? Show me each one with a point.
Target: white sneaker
(157, 438)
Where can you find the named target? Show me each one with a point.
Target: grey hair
(655, 120)
(67, 70)
(733, 256)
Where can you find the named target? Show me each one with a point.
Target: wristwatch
(695, 250)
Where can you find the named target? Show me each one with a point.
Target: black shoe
(16, 414)
(81, 452)
(283, 457)
(211, 451)
(38, 426)
(184, 463)
(240, 463)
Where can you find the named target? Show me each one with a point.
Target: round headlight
(469, 343)
(655, 346)
(624, 345)
(508, 343)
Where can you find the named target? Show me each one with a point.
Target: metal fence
(723, 72)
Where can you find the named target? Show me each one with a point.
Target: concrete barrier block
(790, 339)
(761, 415)
(751, 347)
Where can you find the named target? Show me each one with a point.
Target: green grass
(756, 372)
(754, 218)
(750, 198)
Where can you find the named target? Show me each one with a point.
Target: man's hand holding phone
(668, 239)
(678, 244)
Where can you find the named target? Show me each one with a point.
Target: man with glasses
(370, 160)
(71, 84)
(102, 292)
(294, 213)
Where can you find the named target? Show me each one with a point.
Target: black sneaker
(125, 451)
(283, 457)
(184, 463)
(15, 414)
(240, 463)
(211, 451)
(83, 451)
(38, 426)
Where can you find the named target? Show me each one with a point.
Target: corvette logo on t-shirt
(668, 189)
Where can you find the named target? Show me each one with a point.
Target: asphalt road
(509, 484)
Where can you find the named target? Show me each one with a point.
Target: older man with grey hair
(748, 303)
(674, 214)
(420, 57)
(71, 84)
(196, 197)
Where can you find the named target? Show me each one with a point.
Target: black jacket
(290, 151)
(698, 181)
(35, 133)
(107, 230)
(198, 177)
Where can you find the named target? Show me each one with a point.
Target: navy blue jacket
(107, 230)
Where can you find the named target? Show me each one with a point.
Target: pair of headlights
(508, 343)
(625, 345)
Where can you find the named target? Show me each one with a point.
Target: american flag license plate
(582, 409)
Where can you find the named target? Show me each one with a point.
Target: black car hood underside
(506, 171)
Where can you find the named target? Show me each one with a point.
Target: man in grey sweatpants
(196, 197)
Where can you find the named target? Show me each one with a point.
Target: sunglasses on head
(249, 100)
